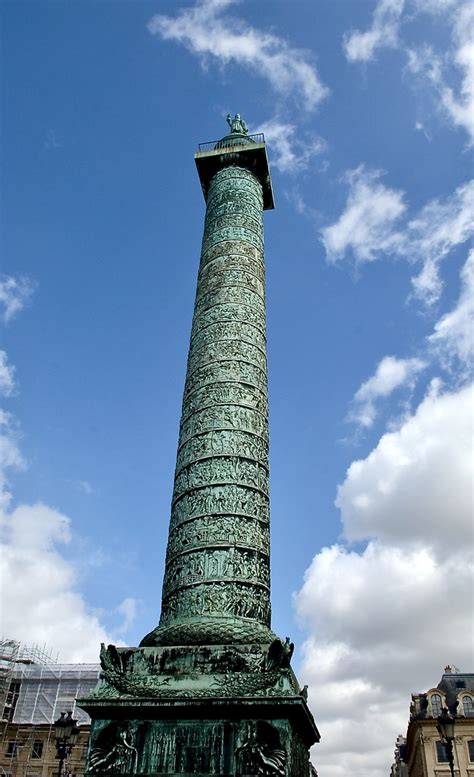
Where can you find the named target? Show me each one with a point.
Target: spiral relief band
(217, 560)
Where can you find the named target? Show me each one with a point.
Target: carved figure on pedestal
(112, 750)
(261, 751)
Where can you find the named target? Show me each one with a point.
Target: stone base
(241, 738)
(226, 711)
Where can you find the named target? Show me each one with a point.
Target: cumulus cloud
(374, 619)
(373, 615)
(391, 373)
(362, 46)
(453, 336)
(209, 33)
(290, 151)
(14, 295)
(366, 227)
(7, 375)
(57, 614)
(403, 491)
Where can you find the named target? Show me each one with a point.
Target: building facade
(35, 691)
(425, 754)
(399, 767)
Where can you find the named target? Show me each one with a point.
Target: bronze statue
(237, 124)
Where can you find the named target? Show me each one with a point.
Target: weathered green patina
(210, 691)
(216, 588)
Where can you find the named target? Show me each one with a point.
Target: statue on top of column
(237, 124)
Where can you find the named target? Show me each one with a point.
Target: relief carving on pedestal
(113, 749)
(261, 752)
(231, 670)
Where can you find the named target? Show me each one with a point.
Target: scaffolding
(35, 691)
(9, 650)
(12, 654)
(49, 689)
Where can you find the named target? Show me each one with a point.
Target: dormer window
(436, 705)
(468, 706)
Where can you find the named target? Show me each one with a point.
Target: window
(435, 705)
(468, 706)
(37, 750)
(12, 748)
(441, 753)
(470, 749)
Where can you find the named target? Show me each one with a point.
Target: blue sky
(368, 113)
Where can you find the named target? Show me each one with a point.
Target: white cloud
(374, 619)
(374, 616)
(439, 227)
(453, 336)
(51, 140)
(370, 226)
(128, 609)
(434, 6)
(391, 373)
(460, 104)
(417, 481)
(290, 151)
(207, 32)
(450, 73)
(454, 66)
(366, 226)
(85, 487)
(7, 375)
(362, 46)
(10, 456)
(14, 294)
(40, 601)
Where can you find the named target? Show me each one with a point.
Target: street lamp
(446, 731)
(66, 732)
